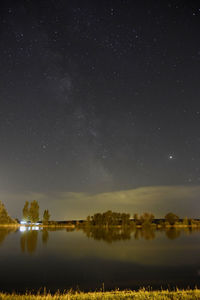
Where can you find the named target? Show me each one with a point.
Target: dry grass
(136, 295)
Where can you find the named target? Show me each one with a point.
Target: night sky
(100, 106)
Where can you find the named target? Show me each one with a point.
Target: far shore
(73, 226)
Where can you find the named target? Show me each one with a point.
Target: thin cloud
(183, 200)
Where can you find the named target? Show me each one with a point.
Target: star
(171, 157)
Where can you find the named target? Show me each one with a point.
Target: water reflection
(109, 234)
(27, 228)
(145, 233)
(58, 258)
(172, 233)
(4, 231)
(112, 234)
(29, 235)
(29, 238)
(45, 236)
(28, 241)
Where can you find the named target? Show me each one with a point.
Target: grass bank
(114, 295)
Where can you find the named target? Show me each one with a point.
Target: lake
(90, 259)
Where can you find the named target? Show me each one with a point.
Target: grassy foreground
(137, 295)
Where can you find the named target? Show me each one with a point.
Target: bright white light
(22, 228)
(28, 228)
(23, 222)
(35, 228)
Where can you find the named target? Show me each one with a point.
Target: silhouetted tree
(136, 219)
(34, 211)
(171, 218)
(46, 216)
(108, 218)
(4, 217)
(88, 220)
(125, 219)
(146, 219)
(185, 221)
(25, 211)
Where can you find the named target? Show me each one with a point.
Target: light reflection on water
(28, 228)
(32, 257)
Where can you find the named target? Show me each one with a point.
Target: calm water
(62, 259)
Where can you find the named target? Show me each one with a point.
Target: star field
(98, 96)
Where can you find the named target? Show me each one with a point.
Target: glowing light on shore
(22, 228)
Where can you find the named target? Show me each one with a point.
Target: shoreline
(142, 294)
(153, 226)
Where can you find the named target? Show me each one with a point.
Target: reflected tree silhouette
(112, 234)
(4, 232)
(23, 242)
(28, 241)
(172, 233)
(70, 229)
(108, 234)
(45, 236)
(147, 233)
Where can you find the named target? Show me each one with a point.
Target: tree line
(31, 214)
(4, 217)
(110, 218)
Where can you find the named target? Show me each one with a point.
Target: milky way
(98, 96)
